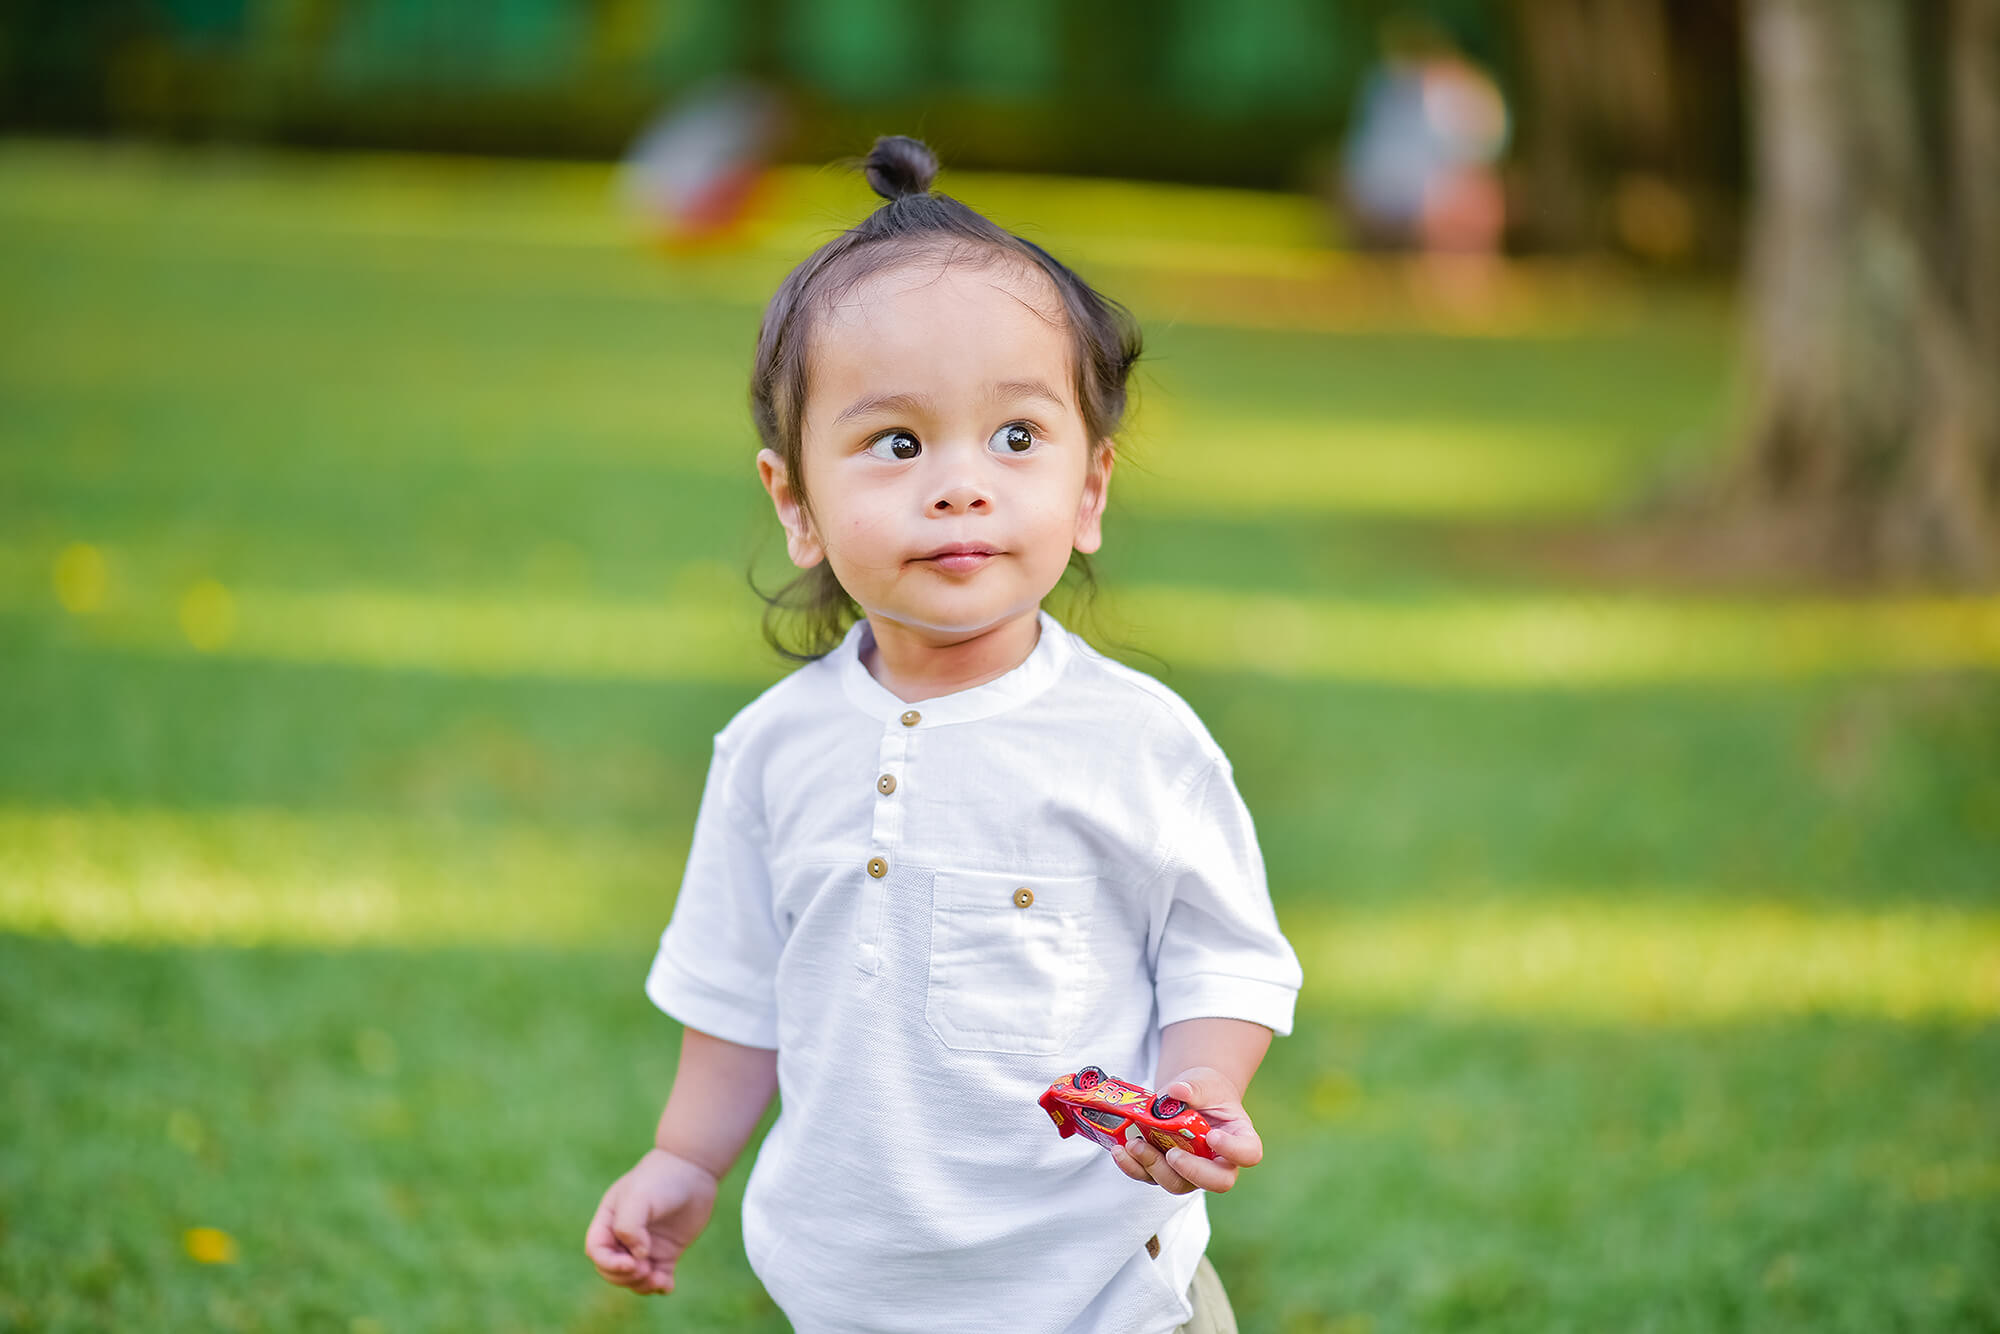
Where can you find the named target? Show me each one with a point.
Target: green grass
(371, 537)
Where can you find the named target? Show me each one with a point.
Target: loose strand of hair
(806, 618)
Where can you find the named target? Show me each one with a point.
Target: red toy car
(1101, 1108)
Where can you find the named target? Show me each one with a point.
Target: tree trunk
(1872, 419)
(1553, 210)
(1597, 116)
(1975, 134)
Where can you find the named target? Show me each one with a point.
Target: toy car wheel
(1089, 1077)
(1166, 1108)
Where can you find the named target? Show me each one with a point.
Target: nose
(963, 497)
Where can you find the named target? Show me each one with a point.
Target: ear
(801, 544)
(1096, 490)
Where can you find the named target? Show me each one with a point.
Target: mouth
(959, 557)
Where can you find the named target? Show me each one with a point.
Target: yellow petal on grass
(208, 616)
(209, 1246)
(80, 577)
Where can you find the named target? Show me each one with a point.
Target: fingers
(1130, 1167)
(1231, 1134)
(1203, 1173)
(658, 1280)
(1157, 1168)
(1176, 1171)
(642, 1278)
(617, 1242)
(1204, 1088)
(628, 1225)
(601, 1245)
(1239, 1143)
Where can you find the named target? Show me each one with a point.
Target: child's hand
(1230, 1134)
(648, 1217)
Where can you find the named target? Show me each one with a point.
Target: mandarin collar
(1036, 673)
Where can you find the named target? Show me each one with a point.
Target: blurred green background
(1199, 89)
(373, 537)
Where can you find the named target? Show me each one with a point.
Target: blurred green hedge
(1197, 89)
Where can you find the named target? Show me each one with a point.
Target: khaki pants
(1211, 1304)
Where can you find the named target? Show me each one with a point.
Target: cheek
(1052, 536)
(858, 535)
(1056, 509)
(860, 529)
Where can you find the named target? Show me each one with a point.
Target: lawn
(373, 535)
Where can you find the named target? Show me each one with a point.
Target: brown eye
(1013, 438)
(895, 445)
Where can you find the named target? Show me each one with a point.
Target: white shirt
(853, 899)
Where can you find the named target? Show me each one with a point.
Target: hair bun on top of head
(899, 165)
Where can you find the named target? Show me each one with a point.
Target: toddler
(957, 854)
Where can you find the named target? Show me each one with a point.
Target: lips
(959, 557)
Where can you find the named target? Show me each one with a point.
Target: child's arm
(1208, 1064)
(652, 1213)
(720, 1091)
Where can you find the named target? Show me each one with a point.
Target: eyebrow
(912, 404)
(902, 404)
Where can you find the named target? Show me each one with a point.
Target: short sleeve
(715, 970)
(1220, 953)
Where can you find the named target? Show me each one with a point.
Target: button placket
(892, 762)
(885, 836)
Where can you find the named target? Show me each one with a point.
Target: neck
(914, 664)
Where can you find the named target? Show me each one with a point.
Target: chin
(955, 622)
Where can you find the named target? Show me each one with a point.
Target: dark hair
(915, 222)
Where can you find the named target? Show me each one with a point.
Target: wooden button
(912, 718)
(1023, 897)
(877, 867)
(886, 784)
(1153, 1246)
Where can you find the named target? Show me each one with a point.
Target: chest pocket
(1010, 960)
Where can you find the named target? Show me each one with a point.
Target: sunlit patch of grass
(250, 876)
(1334, 465)
(386, 195)
(525, 634)
(573, 206)
(1652, 959)
(1223, 257)
(703, 632)
(268, 876)
(1561, 640)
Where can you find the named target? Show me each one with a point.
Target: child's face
(947, 463)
